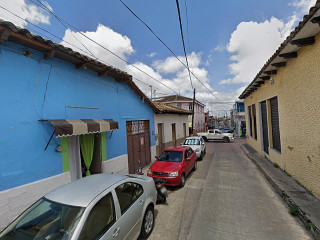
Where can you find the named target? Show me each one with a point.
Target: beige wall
(297, 87)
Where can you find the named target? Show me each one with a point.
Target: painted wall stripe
(65, 154)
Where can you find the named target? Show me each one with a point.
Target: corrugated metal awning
(70, 127)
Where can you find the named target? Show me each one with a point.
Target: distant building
(185, 103)
(238, 118)
(282, 104)
(171, 125)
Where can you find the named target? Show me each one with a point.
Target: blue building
(64, 116)
(238, 118)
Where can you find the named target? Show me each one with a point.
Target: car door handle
(141, 202)
(116, 232)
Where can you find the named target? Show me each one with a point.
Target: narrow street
(226, 198)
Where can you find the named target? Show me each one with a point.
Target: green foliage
(294, 210)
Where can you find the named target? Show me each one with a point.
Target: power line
(46, 9)
(185, 4)
(67, 28)
(152, 31)
(59, 38)
(184, 47)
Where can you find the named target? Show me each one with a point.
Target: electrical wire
(185, 4)
(46, 31)
(108, 50)
(152, 31)
(184, 47)
(67, 28)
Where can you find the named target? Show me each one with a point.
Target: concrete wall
(297, 87)
(168, 120)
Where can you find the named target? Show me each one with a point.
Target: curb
(315, 232)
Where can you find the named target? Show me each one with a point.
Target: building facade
(171, 126)
(282, 105)
(185, 103)
(238, 118)
(64, 116)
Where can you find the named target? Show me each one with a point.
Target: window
(191, 141)
(275, 123)
(250, 119)
(211, 131)
(127, 194)
(171, 156)
(179, 105)
(254, 120)
(100, 219)
(190, 107)
(44, 219)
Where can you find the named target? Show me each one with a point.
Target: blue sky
(227, 42)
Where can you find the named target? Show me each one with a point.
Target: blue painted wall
(32, 89)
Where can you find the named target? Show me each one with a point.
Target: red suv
(173, 165)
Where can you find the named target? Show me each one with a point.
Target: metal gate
(264, 118)
(275, 124)
(138, 143)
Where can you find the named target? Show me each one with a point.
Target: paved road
(226, 198)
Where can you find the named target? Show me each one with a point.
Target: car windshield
(191, 141)
(171, 156)
(44, 220)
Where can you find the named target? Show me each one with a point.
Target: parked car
(173, 165)
(102, 206)
(215, 134)
(197, 144)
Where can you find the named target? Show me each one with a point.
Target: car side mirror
(156, 157)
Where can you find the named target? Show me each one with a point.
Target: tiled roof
(163, 108)
(10, 32)
(175, 98)
(306, 30)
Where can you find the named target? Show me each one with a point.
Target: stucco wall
(168, 120)
(297, 87)
(33, 88)
(199, 118)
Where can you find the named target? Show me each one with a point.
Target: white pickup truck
(215, 134)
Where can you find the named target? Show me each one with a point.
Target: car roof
(193, 137)
(81, 192)
(177, 148)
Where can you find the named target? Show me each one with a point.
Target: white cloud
(303, 6)
(151, 55)
(115, 42)
(179, 79)
(28, 12)
(172, 65)
(253, 43)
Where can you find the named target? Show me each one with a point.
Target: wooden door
(138, 143)
(174, 136)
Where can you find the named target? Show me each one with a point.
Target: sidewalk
(303, 204)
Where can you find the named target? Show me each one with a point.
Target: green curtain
(87, 145)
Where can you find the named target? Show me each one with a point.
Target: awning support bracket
(111, 134)
(49, 140)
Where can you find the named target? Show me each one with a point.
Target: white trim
(116, 165)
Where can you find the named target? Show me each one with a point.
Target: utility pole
(194, 98)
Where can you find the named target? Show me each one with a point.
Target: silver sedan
(102, 206)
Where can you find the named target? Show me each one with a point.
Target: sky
(227, 42)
